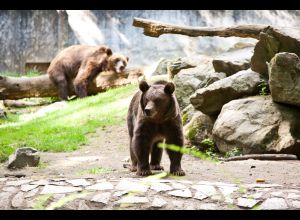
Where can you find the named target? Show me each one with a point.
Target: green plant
(263, 88)
(184, 118)
(234, 152)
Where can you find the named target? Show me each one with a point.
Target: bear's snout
(150, 109)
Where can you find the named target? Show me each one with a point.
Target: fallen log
(264, 157)
(155, 29)
(41, 86)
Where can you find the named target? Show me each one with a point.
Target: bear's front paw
(178, 172)
(156, 167)
(143, 172)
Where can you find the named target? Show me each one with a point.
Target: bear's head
(117, 62)
(158, 101)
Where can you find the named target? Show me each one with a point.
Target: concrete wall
(35, 36)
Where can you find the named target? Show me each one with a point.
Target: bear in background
(153, 116)
(80, 64)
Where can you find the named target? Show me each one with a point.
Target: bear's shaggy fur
(80, 64)
(153, 116)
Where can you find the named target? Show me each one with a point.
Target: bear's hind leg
(62, 86)
(156, 155)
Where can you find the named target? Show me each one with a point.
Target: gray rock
(101, 198)
(187, 81)
(3, 180)
(158, 203)
(82, 205)
(272, 41)
(79, 182)
(18, 200)
(28, 187)
(133, 200)
(188, 113)
(247, 203)
(59, 189)
(273, 204)
(284, 78)
(184, 193)
(131, 186)
(120, 193)
(25, 156)
(257, 125)
(277, 194)
(58, 183)
(296, 204)
(210, 100)
(17, 182)
(199, 128)
(40, 182)
(3, 113)
(10, 189)
(293, 196)
(178, 185)
(162, 67)
(205, 189)
(160, 187)
(101, 186)
(31, 193)
(208, 206)
(233, 61)
(200, 195)
(5, 200)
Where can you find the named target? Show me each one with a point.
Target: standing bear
(80, 64)
(153, 116)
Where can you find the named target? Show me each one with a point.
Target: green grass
(66, 129)
(95, 170)
(29, 73)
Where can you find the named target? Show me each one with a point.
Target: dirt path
(108, 149)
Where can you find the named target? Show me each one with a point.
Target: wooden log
(264, 157)
(41, 86)
(154, 28)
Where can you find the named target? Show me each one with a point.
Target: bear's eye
(117, 60)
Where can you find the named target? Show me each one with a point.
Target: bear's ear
(108, 51)
(143, 86)
(169, 88)
(127, 58)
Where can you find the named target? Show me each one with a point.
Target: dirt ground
(108, 148)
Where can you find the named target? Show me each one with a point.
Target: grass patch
(66, 129)
(95, 170)
(29, 73)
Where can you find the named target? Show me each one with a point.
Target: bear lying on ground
(81, 64)
(153, 116)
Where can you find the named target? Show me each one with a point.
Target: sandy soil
(108, 148)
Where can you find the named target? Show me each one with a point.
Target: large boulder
(25, 156)
(187, 81)
(284, 78)
(233, 61)
(210, 99)
(272, 41)
(199, 128)
(258, 125)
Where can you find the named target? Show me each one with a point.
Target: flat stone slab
(277, 194)
(184, 193)
(208, 206)
(31, 193)
(159, 187)
(101, 186)
(296, 204)
(158, 203)
(120, 193)
(18, 200)
(205, 189)
(178, 185)
(5, 200)
(200, 195)
(133, 200)
(273, 203)
(59, 189)
(132, 186)
(28, 187)
(40, 182)
(17, 182)
(293, 196)
(247, 203)
(9, 189)
(102, 198)
(79, 182)
(82, 205)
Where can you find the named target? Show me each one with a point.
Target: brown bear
(80, 64)
(153, 116)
